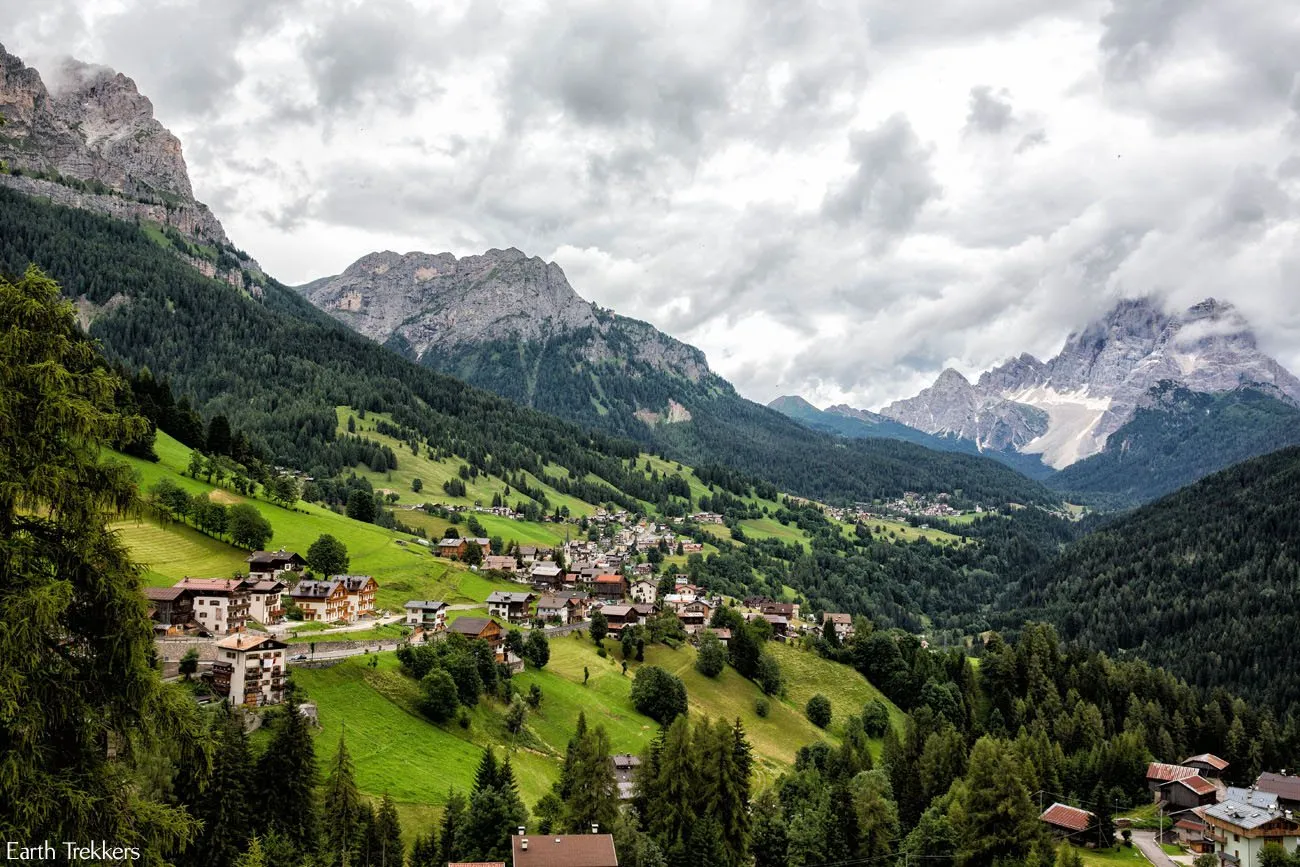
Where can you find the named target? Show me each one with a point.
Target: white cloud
(837, 199)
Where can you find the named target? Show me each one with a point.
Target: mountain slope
(1202, 582)
(277, 368)
(1066, 408)
(513, 324)
(863, 424)
(1181, 436)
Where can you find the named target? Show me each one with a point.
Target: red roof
(1199, 785)
(1070, 818)
(1168, 773)
(607, 579)
(1208, 759)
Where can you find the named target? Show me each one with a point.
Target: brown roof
(1070, 818)
(573, 850)
(1199, 785)
(1190, 824)
(1208, 759)
(1167, 773)
(471, 626)
(164, 594)
(476, 864)
(1285, 786)
(268, 586)
(607, 579)
(837, 618)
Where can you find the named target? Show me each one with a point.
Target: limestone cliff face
(431, 303)
(87, 138)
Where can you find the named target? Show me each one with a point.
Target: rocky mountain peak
(429, 304)
(88, 139)
(1101, 375)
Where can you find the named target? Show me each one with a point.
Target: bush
(439, 698)
(658, 694)
(875, 718)
(463, 719)
(769, 675)
(712, 656)
(537, 649)
(600, 651)
(762, 708)
(819, 710)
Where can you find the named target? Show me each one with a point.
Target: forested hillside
(1202, 582)
(276, 368)
(1182, 437)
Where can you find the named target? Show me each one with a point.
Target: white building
(249, 669)
(264, 601)
(428, 615)
(1240, 832)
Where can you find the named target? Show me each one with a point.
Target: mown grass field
(771, 528)
(396, 750)
(404, 569)
(432, 474)
(387, 632)
(510, 530)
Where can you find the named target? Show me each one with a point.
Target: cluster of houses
(1210, 817)
(910, 505)
(222, 606)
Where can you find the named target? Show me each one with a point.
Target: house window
(230, 654)
(1236, 838)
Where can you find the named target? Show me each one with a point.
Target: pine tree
(592, 796)
(223, 805)
(670, 812)
(451, 843)
(341, 807)
(77, 647)
(999, 821)
(287, 778)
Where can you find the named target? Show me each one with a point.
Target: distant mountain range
(1066, 408)
(513, 324)
(853, 423)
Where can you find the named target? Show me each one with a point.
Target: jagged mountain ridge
(1065, 409)
(428, 304)
(89, 139)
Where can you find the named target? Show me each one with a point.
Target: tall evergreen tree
(592, 790)
(451, 839)
(78, 694)
(286, 777)
(388, 827)
(223, 805)
(999, 820)
(671, 809)
(341, 807)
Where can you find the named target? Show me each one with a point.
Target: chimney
(523, 845)
(521, 830)
(595, 828)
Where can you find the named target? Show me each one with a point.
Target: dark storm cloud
(892, 181)
(989, 112)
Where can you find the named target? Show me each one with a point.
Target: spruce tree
(287, 778)
(592, 791)
(451, 842)
(77, 648)
(388, 829)
(671, 809)
(999, 821)
(341, 807)
(223, 805)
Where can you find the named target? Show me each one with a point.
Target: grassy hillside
(405, 570)
(398, 751)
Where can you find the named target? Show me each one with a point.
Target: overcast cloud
(835, 199)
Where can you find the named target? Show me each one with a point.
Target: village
(236, 632)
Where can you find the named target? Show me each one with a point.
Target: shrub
(658, 694)
(712, 656)
(875, 718)
(762, 708)
(819, 710)
(463, 719)
(439, 698)
(768, 675)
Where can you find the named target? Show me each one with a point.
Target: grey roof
(1241, 815)
(509, 598)
(1251, 797)
(425, 604)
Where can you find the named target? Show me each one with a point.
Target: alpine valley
(549, 590)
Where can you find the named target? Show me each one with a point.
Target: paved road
(1146, 843)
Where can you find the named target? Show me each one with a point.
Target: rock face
(1066, 408)
(435, 305)
(88, 139)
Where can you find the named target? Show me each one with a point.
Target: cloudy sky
(834, 199)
